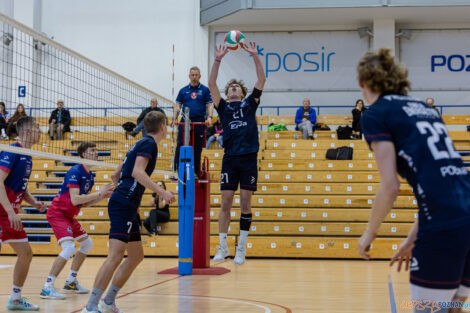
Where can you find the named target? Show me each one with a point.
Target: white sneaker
(239, 255)
(104, 308)
(222, 253)
(86, 311)
(51, 293)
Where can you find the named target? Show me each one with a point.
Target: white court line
(266, 309)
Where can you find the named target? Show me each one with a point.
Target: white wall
(133, 38)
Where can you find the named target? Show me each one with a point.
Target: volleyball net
(40, 75)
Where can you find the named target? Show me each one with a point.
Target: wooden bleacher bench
(153, 246)
(306, 201)
(260, 214)
(316, 165)
(314, 144)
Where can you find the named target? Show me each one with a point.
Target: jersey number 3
(435, 130)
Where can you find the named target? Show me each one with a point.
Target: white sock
(72, 277)
(49, 281)
(223, 239)
(15, 292)
(3, 132)
(243, 237)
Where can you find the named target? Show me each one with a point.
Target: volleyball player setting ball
(410, 138)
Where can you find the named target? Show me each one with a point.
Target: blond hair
(382, 73)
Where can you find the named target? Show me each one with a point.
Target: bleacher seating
(305, 206)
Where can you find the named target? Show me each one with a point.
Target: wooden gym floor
(261, 285)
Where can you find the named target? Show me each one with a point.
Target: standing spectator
(59, 122)
(356, 123)
(11, 126)
(4, 118)
(305, 119)
(140, 120)
(215, 133)
(197, 98)
(430, 103)
(161, 213)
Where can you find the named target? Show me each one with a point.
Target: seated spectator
(305, 119)
(161, 213)
(215, 133)
(140, 120)
(11, 126)
(356, 123)
(59, 121)
(4, 118)
(430, 103)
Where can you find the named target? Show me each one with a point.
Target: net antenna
(187, 126)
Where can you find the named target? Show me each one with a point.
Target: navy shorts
(125, 221)
(441, 260)
(239, 169)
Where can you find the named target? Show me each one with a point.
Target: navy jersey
(426, 158)
(76, 177)
(128, 186)
(18, 168)
(196, 98)
(239, 124)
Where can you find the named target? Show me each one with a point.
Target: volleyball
(234, 40)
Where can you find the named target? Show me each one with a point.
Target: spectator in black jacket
(356, 123)
(140, 120)
(59, 121)
(161, 213)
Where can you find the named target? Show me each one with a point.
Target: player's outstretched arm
(15, 221)
(116, 174)
(142, 178)
(253, 50)
(89, 199)
(220, 52)
(41, 206)
(387, 192)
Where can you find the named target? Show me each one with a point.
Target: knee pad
(463, 291)
(85, 246)
(68, 250)
(423, 293)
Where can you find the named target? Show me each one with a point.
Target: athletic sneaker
(105, 308)
(239, 255)
(21, 305)
(51, 293)
(75, 288)
(222, 253)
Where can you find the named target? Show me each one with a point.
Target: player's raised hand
(168, 196)
(220, 52)
(364, 244)
(15, 221)
(251, 48)
(107, 190)
(403, 255)
(41, 206)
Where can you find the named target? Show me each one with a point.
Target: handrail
(261, 108)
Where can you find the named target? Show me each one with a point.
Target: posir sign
(298, 60)
(294, 61)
